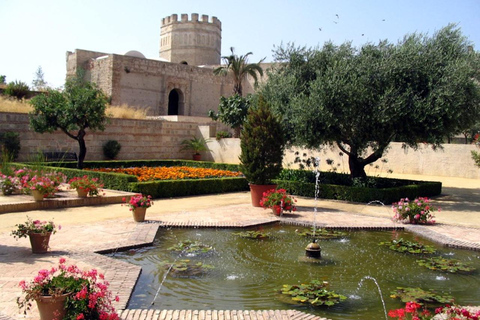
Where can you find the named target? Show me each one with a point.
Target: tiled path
(88, 230)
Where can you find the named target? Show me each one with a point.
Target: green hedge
(189, 187)
(362, 194)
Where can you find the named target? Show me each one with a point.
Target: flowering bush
(34, 226)
(139, 201)
(278, 200)
(171, 173)
(91, 185)
(413, 311)
(417, 211)
(88, 294)
(8, 184)
(44, 185)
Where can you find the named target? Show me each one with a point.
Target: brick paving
(88, 231)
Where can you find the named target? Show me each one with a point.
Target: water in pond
(247, 273)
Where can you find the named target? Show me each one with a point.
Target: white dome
(134, 53)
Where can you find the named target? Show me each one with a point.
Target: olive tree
(79, 107)
(419, 90)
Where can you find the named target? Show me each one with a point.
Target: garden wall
(161, 139)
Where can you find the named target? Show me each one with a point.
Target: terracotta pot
(197, 157)
(257, 190)
(39, 242)
(37, 195)
(51, 307)
(139, 214)
(277, 213)
(82, 193)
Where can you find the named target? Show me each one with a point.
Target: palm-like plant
(239, 67)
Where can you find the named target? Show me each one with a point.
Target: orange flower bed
(171, 173)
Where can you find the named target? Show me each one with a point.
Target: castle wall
(159, 139)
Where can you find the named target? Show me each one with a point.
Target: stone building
(180, 83)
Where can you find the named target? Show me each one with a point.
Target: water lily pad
(314, 293)
(186, 268)
(446, 265)
(322, 233)
(402, 245)
(253, 234)
(421, 296)
(189, 246)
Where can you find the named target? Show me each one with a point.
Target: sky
(38, 33)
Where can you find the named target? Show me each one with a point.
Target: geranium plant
(278, 200)
(9, 184)
(139, 201)
(34, 226)
(88, 294)
(415, 311)
(43, 184)
(418, 211)
(90, 185)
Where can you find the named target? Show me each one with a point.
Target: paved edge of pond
(123, 276)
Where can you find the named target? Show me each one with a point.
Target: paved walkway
(88, 230)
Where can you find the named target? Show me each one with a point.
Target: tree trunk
(236, 132)
(357, 167)
(82, 149)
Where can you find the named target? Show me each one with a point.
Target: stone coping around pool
(65, 198)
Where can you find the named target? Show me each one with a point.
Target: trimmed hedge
(189, 187)
(363, 194)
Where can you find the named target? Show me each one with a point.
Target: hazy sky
(37, 33)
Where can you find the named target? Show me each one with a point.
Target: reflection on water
(248, 273)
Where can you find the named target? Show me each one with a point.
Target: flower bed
(171, 173)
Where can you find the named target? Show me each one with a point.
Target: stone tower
(193, 42)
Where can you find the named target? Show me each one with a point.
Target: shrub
(111, 149)
(223, 134)
(17, 89)
(9, 145)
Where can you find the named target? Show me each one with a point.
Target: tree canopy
(79, 107)
(416, 91)
(239, 67)
(232, 111)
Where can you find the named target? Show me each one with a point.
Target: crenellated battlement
(195, 18)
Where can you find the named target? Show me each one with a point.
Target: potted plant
(138, 205)
(38, 231)
(86, 186)
(67, 292)
(417, 211)
(279, 201)
(262, 146)
(40, 186)
(196, 145)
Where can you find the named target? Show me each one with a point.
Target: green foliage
(476, 158)
(223, 134)
(181, 188)
(186, 268)
(232, 111)
(419, 90)
(79, 107)
(111, 149)
(314, 293)
(406, 246)
(322, 234)
(253, 234)
(420, 296)
(195, 144)
(239, 68)
(446, 265)
(262, 145)
(17, 89)
(9, 145)
(3, 79)
(39, 82)
(189, 246)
